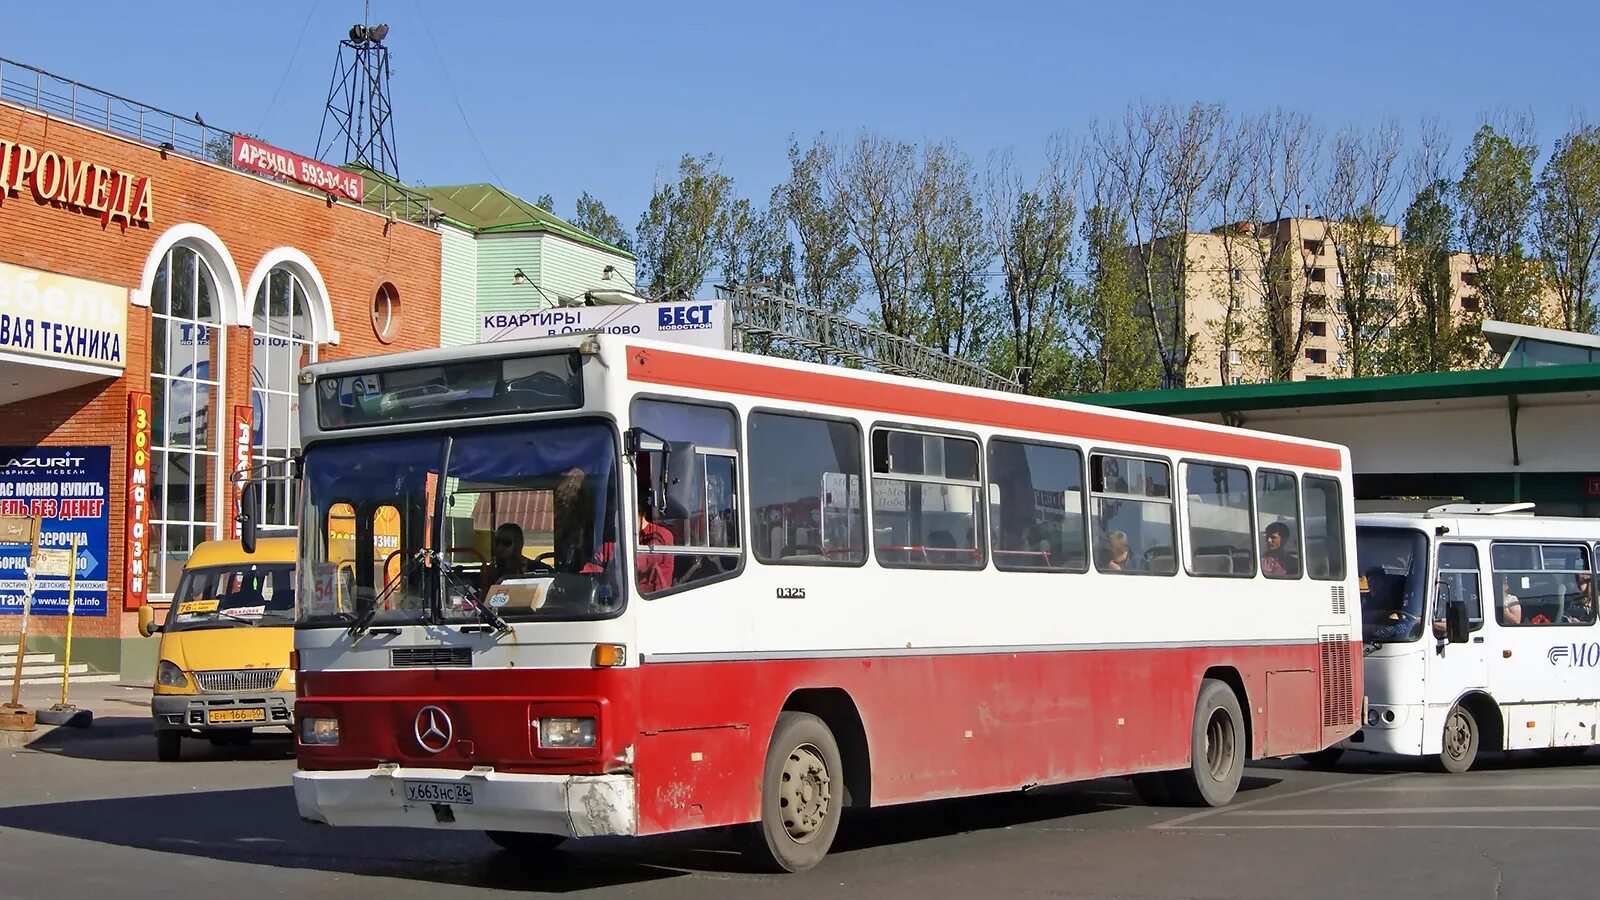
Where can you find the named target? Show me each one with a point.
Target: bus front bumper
(479, 800)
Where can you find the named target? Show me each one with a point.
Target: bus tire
(169, 745)
(802, 793)
(526, 843)
(1323, 759)
(1216, 749)
(1462, 737)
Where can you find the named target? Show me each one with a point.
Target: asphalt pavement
(89, 812)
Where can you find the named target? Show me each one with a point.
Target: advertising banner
(67, 487)
(58, 317)
(241, 461)
(701, 323)
(136, 544)
(270, 160)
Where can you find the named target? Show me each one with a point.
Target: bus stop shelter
(1527, 431)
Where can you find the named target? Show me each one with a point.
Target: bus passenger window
(1036, 517)
(1278, 517)
(925, 500)
(806, 491)
(1221, 541)
(1324, 518)
(686, 522)
(1132, 520)
(1543, 584)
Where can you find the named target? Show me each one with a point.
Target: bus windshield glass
(1394, 583)
(521, 520)
(235, 596)
(479, 387)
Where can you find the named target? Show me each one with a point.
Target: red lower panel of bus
(934, 726)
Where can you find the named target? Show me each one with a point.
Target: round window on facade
(386, 313)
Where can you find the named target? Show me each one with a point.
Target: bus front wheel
(802, 788)
(1216, 749)
(1461, 739)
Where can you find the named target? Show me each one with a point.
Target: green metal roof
(1349, 391)
(487, 209)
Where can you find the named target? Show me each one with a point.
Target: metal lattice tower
(358, 111)
(763, 317)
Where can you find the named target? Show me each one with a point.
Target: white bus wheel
(1461, 739)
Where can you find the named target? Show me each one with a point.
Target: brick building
(137, 275)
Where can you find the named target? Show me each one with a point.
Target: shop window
(281, 335)
(386, 313)
(186, 382)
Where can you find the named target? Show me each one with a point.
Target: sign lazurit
(67, 487)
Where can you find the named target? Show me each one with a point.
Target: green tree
(1359, 195)
(682, 231)
(1430, 335)
(755, 248)
(872, 182)
(950, 250)
(1032, 230)
(1568, 224)
(546, 202)
(1495, 196)
(593, 218)
(1115, 346)
(826, 259)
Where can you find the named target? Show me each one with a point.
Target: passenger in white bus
(1508, 606)
(1276, 559)
(1118, 553)
(1580, 609)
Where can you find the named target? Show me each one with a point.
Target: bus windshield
(1394, 580)
(239, 595)
(433, 527)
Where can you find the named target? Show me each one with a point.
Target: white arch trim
(321, 311)
(232, 308)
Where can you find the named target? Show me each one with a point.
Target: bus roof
(1471, 525)
(760, 377)
(222, 553)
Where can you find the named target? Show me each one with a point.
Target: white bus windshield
(523, 519)
(1394, 581)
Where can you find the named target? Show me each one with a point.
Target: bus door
(1455, 669)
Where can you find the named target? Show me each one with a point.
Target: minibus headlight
(169, 675)
(319, 730)
(566, 733)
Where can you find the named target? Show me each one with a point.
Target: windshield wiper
(485, 611)
(364, 618)
(238, 618)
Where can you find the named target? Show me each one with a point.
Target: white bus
(1479, 624)
(639, 588)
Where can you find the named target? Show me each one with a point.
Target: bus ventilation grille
(430, 657)
(1338, 600)
(1338, 700)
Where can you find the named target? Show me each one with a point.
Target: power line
(450, 86)
(266, 113)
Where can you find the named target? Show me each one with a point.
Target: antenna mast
(358, 113)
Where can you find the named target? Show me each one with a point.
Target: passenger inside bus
(1507, 605)
(1278, 558)
(1118, 554)
(1579, 610)
(653, 569)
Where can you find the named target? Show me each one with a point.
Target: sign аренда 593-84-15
(279, 163)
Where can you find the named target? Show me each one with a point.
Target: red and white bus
(600, 586)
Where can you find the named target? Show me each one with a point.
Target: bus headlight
(566, 733)
(170, 676)
(319, 730)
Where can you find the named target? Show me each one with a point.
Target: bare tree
(1159, 159)
(950, 250)
(827, 259)
(1032, 230)
(1232, 195)
(872, 181)
(1358, 202)
(1288, 149)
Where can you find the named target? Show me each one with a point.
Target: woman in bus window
(1580, 609)
(1508, 605)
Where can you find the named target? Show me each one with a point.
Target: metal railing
(64, 98)
(762, 317)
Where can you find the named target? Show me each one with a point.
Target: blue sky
(604, 97)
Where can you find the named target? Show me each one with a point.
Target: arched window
(281, 334)
(186, 376)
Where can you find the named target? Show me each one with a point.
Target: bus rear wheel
(801, 791)
(1462, 737)
(1216, 749)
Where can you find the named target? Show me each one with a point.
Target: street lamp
(608, 271)
(520, 277)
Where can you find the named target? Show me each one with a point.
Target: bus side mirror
(1456, 625)
(249, 502)
(147, 621)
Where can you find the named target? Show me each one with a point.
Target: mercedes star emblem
(433, 729)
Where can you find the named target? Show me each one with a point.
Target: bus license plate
(438, 792)
(237, 715)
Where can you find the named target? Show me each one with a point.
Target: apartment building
(1234, 273)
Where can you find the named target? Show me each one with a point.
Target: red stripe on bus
(757, 380)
